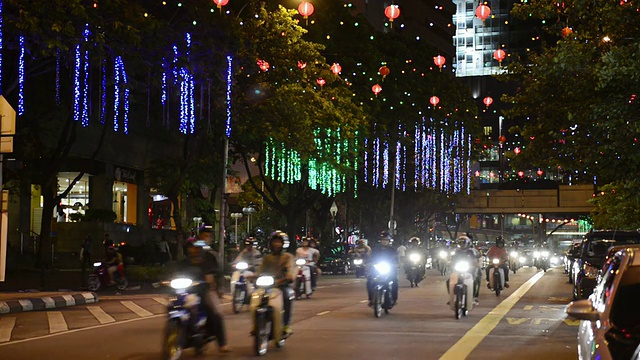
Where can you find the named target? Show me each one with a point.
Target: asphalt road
(525, 322)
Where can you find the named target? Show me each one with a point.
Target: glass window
(72, 207)
(625, 312)
(604, 287)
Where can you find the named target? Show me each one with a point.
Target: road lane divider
(57, 323)
(100, 315)
(136, 308)
(6, 328)
(323, 313)
(473, 337)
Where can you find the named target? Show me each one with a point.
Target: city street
(525, 322)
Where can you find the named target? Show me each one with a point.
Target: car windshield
(625, 312)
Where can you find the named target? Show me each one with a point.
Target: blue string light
(164, 82)
(175, 63)
(385, 165)
(103, 90)
(58, 77)
(229, 78)
(376, 162)
(76, 85)
(116, 95)
(85, 93)
(183, 101)
(125, 81)
(21, 77)
(192, 102)
(366, 160)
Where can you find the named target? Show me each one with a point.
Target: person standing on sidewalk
(85, 259)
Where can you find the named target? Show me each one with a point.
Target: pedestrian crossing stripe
(516, 321)
(100, 315)
(571, 322)
(6, 328)
(540, 321)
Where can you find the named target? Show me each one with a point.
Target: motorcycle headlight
(96, 264)
(461, 266)
(265, 281)
(495, 261)
(301, 262)
(514, 254)
(181, 283)
(544, 254)
(590, 271)
(554, 260)
(383, 268)
(443, 254)
(242, 265)
(358, 262)
(453, 253)
(414, 257)
(536, 254)
(523, 259)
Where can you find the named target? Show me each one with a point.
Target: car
(591, 257)
(569, 257)
(334, 264)
(610, 317)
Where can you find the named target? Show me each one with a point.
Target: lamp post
(236, 216)
(198, 221)
(333, 211)
(249, 210)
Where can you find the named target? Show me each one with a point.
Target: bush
(100, 215)
(148, 273)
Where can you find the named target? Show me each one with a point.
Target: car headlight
(265, 280)
(383, 268)
(514, 254)
(358, 262)
(536, 254)
(495, 261)
(545, 254)
(523, 259)
(461, 266)
(181, 283)
(414, 257)
(242, 265)
(590, 271)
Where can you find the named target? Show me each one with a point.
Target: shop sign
(125, 175)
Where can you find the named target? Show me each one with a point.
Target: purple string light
(57, 77)
(103, 92)
(21, 77)
(85, 93)
(116, 96)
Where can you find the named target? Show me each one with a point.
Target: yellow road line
(473, 337)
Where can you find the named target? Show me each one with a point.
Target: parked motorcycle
(496, 276)
(303, 279)
(360, 267)
(414, 269)
(382, 301)
(100, 277)
(266, 311)
(186, 325)
(461, 289)
(241, 286)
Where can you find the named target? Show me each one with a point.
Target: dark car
(592, 255)
(334, 264)
(569, 257)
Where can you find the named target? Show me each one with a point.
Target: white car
(610, 326)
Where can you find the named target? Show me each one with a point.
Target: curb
(48, 302)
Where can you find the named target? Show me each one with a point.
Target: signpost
(7, 130)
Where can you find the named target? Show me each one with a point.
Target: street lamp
(236, 216)
(249, 210)
(334, 211)
(198, 221)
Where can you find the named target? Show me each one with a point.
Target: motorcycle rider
(309, 254)
(361, 250)
(113, 262)
(387, 254)
(203, 265)
(249, 254)
(498, 251)
(465, 251)
(280, 265)
(414, 247)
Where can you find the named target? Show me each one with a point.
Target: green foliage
(148, 273)
(617, 206)
(99, 215)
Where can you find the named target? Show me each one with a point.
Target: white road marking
(100, 315)
(528, 307)
(57, 323)
(162, 301)
(6, 327)
(364, 301)
(136, 308)
(323, 313)
(320, 287)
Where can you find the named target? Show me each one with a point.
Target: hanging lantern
(302, 65)
(384, 71)
(483, 12)
(392, 12)
(336, 68)
(439, 61)
(221, 3)
(434, 100)
(263, 65)
(517, 151)
(502, 138)
(567, 31)
(499, 55)
(487, 101)
(539, 172)
(521, 173)
(321, 81)
(376, 89)
(305, 9)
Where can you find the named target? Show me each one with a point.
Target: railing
(32, 235)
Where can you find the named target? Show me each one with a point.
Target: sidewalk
(15, 302)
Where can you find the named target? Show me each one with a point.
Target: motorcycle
(382, 300)
(514, 264)
(414, 269)
(186, 325)
(241, 287)
(496, 276)
(541, 260)
(461, 289)
(303, 279)
(360, 267)
(266, 311)
(100, 277)
(443, 261)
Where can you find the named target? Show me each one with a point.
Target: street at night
(526, 322)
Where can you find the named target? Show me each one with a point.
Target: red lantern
(434, 100)
(221, 3)
(487, 101)
(305, 9)
(376, 89)
(517, 150)
(263, 65)
(321, 81)
(539, 172)
(384, 71)
(392, 12)
(499, 55)
(521, 173)
(502, 138)
(439, 61)
(301, 64)
(483, 12)
(567, 31)
(336, 68)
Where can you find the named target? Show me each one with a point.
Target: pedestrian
(165, 252)
(85, 258)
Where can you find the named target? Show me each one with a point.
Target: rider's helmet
(500, 242)
(313, 243)
(304, 242)
(248, 242)
(277, 237)
(414, 241)
(463, 242)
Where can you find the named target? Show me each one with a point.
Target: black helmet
(463, 242)
(278, 235)
(499, 241)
